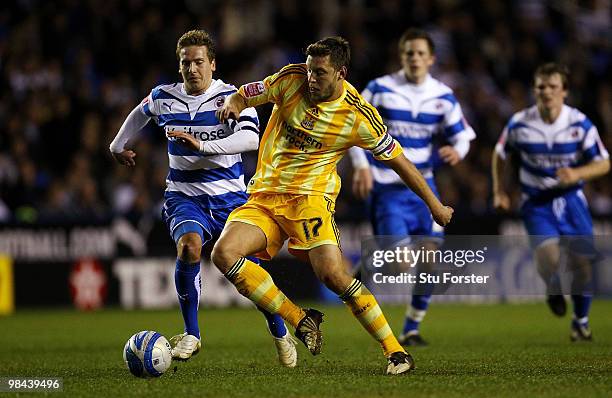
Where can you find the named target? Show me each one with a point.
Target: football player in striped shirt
(317, 117)
(557, 149)
(205, 182)
(416, 107)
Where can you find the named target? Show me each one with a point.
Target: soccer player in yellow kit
(317, 117)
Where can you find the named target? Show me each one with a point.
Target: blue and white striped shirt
(217, 181)
(413, 114)
(542, 148)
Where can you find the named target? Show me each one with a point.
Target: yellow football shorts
(306, 220)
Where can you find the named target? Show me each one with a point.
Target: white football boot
(184, 346)
(285, 348)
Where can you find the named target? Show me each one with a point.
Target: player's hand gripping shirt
(217, 181)
(303, 142)
(542, 148)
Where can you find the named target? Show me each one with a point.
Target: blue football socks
(188, 286)
(276, 325)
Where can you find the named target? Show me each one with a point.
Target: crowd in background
(71, 71)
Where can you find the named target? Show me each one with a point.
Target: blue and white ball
(147, 354)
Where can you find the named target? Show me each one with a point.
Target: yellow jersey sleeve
(274, 88)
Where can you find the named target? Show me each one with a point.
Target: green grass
(475, 351)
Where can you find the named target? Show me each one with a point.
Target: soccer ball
(147, 354)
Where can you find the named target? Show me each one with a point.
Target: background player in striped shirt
(317, 117)
(205, 182)
(558, 149)
(415, 107)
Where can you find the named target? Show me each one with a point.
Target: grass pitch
(475, 351)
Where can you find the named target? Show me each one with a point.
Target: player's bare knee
(336, 279)
(329, 267)
(547, 257)
(189, 248)
(223, 256)
(548, 253)
(581, 271)
(333, 283)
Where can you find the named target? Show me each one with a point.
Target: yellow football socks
(365, 308)
(254, 283)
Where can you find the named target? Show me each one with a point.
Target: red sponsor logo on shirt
(253, 89)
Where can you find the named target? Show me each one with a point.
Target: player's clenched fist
(234, 104)
(125, 157)
(567, 176)
(501, 201)
(442, 214)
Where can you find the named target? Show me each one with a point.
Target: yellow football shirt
(304, 142)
